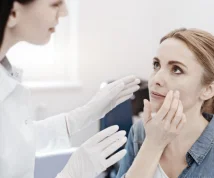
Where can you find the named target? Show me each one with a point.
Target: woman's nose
(160, 78)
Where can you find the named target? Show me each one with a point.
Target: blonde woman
(179, 140)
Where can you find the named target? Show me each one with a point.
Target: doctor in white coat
(20, 135)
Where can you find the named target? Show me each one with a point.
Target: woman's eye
(177, 70)
(156, 64)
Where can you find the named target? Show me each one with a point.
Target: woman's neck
(192, 130)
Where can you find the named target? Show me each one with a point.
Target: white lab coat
(20, 134)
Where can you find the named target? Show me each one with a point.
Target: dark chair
(139, 96)
(121, 116)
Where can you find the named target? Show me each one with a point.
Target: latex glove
(91, 158)
(104, 101)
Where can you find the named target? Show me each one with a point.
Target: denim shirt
(200, 157)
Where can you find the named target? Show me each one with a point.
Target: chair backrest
(139, 96)
(48, 165)
(121, 116)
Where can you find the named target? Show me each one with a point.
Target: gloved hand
(104, 101)
(112, 95)
(91, 158)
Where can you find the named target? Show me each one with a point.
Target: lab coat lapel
(7, 84)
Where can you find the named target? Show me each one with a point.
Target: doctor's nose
(63, 11)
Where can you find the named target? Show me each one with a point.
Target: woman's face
(36, 21)
(175, 68)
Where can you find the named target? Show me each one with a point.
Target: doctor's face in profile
(36, 21)
(175, 68)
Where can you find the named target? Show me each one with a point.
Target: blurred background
(101, 40)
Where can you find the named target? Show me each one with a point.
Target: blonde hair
(201, 43)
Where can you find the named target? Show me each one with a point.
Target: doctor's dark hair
(5, 10)
(201, 43)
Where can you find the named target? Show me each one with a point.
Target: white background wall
(120, 37)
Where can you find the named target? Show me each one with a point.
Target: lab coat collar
(9, 77)
(13, 71)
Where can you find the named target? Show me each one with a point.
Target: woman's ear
(207, 92)
(14, 15)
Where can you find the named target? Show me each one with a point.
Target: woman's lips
(157, 96)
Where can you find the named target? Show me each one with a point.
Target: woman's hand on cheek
(162, 128)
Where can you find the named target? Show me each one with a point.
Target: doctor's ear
(14, 15)
(207, 92)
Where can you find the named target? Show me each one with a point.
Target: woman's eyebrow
(171, 62)
(176, 62)
(57, 2)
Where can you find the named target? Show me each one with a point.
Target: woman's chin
(42, 41)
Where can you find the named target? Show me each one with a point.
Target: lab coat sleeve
(52, 134)
(79, 119)
(55, 132)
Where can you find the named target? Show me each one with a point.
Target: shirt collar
(9, 77)
(205, 142)
(12, 71)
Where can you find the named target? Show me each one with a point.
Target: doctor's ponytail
(5, 8)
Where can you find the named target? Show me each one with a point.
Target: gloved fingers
(111, 139)
(123, 99)
(113, 84)
(128, 91)
(123, 86)
(115, 158)
(114, 147)
(102, 135)
(134, 83)
(128, 79)
(116, 90)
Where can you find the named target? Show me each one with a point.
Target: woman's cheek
(186, 100)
